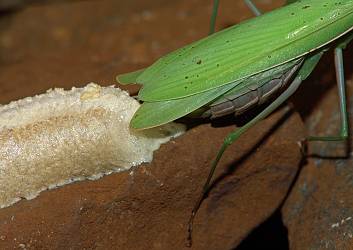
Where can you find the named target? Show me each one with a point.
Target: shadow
(271, 234)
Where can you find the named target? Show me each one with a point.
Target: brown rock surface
(149, 207)
(72, 43)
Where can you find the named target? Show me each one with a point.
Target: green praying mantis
(243, 66)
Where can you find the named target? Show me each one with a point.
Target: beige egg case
(63, 136)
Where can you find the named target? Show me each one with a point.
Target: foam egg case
(63, 136)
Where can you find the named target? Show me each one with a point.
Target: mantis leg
(249, 3)
(233, 136)
(253, 7)
(343, 135)
(213, 16)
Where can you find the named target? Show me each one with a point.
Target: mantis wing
(130, 77)
(152, 114)
(246, 49)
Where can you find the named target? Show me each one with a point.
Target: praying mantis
(243, 66)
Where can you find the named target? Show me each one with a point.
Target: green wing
(246, 49)
(130, 77)
(152, 114)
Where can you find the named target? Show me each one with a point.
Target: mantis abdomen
(258, 90)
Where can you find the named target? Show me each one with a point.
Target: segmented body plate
(268, 84)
